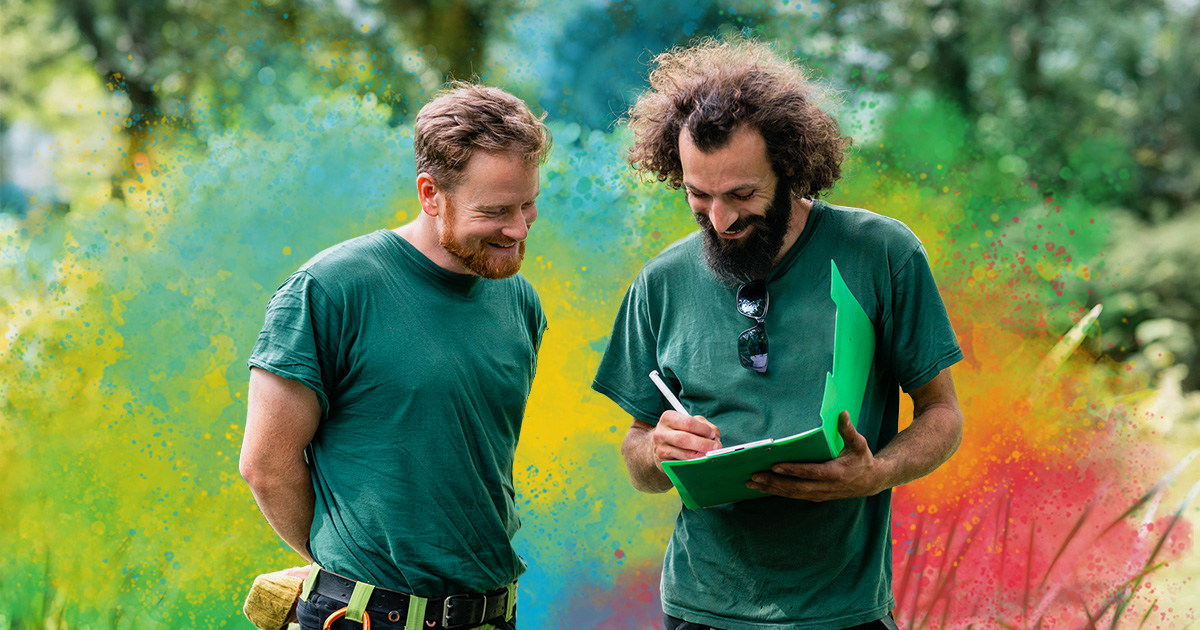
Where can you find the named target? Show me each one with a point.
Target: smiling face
(484, 220)
(744, 210)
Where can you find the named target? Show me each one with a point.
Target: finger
(716, 429)
(300, 572)
(853, 439)
(697, 425)
(700, 425)
(684, 441)
(668, 453)
(784, 486)
(798, 470)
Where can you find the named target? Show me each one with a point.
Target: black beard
(753, 256)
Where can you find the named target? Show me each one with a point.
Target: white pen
(662, 387)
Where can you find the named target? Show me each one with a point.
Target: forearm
(286, 498)
(644, 470)
(918, 450)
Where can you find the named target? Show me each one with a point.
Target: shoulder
(872, 227)
(678, 258)
(883, 239)
(348, 262)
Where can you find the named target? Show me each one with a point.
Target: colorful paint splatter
(127, 323)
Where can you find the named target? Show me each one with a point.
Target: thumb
(849, 434)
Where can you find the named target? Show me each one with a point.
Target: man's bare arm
(933, 436)
(930, 440)
(676, 436)
(281, 420)
(638, 450)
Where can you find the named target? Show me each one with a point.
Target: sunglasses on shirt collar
(752, 301)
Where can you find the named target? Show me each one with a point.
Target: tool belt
(453, 612)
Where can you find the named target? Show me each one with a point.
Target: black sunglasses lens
(752, 299)
(752, 348)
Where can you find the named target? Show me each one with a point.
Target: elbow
(266, 473)
(956, 432)
(248, 469)
(255, 471)
(642, 485)
(645, 474)
(649, 488)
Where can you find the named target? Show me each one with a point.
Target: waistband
(453, 612)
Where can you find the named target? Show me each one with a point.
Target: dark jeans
(313, 613)
(673, 623)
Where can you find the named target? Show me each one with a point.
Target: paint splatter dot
(620, 553)
(287, 251)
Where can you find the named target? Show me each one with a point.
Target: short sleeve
(298, 338)
(631, 354)
(538, 322)
(923, 342)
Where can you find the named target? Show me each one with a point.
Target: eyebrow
(746, 186)
(496, 208)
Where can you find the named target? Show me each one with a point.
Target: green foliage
(221, 143)
(1036, 80)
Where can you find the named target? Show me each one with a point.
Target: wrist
(883, 470)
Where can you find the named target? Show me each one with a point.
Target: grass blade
(1068, 343)
(1087, 511)
(1155, 491)
(1146, 616)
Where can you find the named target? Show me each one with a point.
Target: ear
(429, 194)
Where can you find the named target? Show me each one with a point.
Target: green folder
(721, 475)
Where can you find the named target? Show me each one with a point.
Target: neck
(422, 233)
(801, 210)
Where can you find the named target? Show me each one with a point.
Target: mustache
(736, 226)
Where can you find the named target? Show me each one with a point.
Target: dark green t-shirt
(775, 562)
(423, 376)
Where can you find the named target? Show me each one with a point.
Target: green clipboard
(721, 475)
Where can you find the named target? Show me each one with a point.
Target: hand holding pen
(678, 434)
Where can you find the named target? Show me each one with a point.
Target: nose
(517, 228)
(721, 215)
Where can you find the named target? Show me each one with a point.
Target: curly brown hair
(467, 117)
(716, 86)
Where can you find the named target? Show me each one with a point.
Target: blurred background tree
(1091, 102)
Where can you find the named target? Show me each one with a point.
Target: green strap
(416, 613)
(309, 581)
(358, 601)
(512, 601)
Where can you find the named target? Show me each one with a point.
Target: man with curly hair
(389, 383)
(741, 131)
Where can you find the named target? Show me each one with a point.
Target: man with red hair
(389, 382)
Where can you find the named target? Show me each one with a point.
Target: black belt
(450, 612)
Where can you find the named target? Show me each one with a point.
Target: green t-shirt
(423, 376)
(776, 562)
